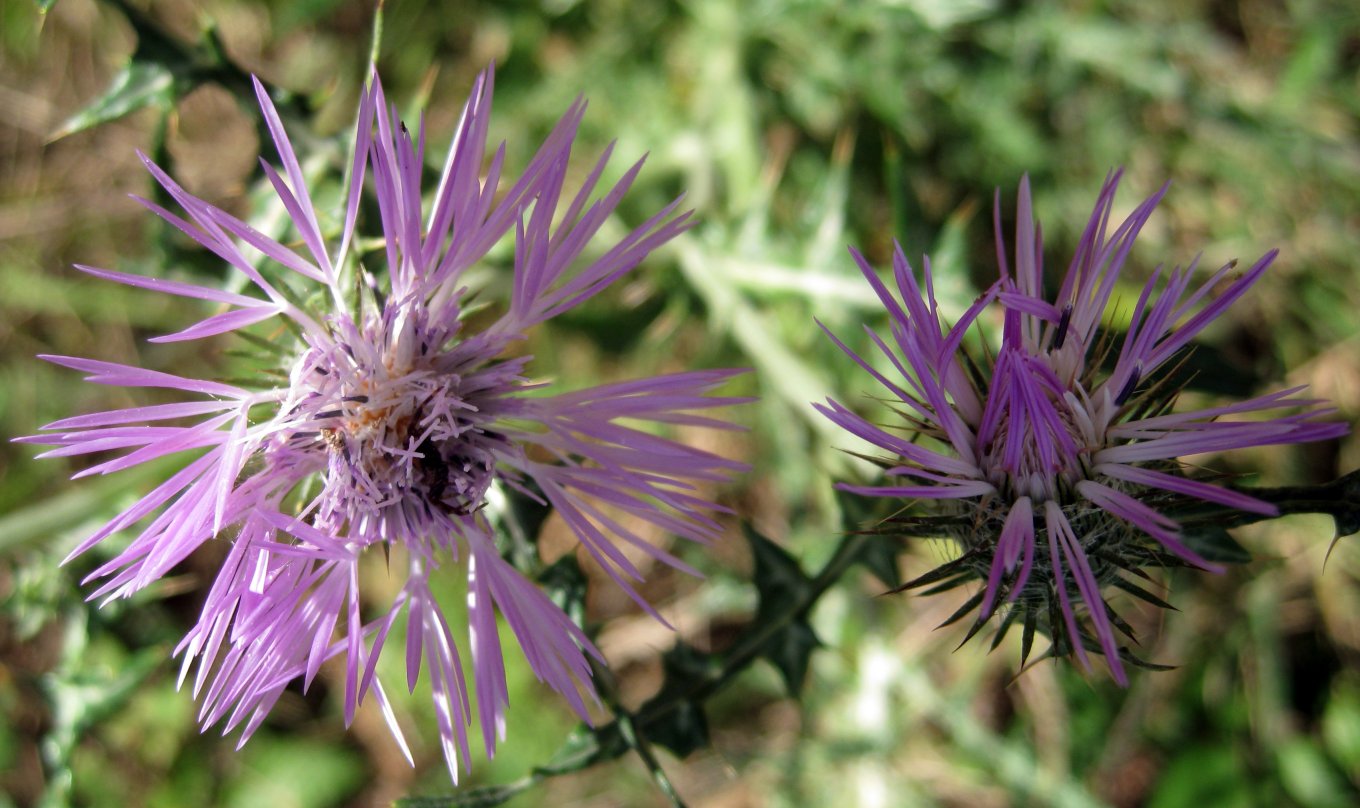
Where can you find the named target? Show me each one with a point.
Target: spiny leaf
(778, 577)
(789, 652)
(682, 729)
(920, 527)
(673, 717)
(483, 797)
(955, 582)
(1214, 543)
(783, 589)
(1339, 499)
(1027, 639)
(858, 515)
(1139, 662)
(1121, 624)
(879, 557)
(968, 606)
(972, 631)
(958, 567)
(1004, 628)
(1141, 593)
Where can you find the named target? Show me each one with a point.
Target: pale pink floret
(407, 420)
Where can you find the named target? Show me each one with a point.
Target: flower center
(1031, 437)
(404, 449)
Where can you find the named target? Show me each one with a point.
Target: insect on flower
(396, 421)
(1054, 458)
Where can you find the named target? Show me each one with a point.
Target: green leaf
(582, 748)
(777, 576)
(879, 557)
(1347, 516)
(1341, 724)
(675, 717)
(295, 771)
(566, 585)
(81, 693)
(1205, 775)
(685, 666)
(784, 589)
(1308, 776)
(1339, 499)
(682, 729)
(137, 85)
(483, 797)
(1215, 543)
(789, 652)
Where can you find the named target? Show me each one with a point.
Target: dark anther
(356, 399)
(1128, 388)
(1061, 337)
(329, 414)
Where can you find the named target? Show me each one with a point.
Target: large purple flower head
(1053, 458)
(393, 424)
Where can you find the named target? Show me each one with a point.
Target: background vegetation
(795, 127)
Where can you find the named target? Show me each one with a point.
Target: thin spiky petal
(396, 423)
(1039, 429)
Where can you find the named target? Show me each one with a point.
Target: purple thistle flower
(394, 424)
(1054, 459)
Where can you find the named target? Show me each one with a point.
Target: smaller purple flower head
(389, 424)
(1052, 459)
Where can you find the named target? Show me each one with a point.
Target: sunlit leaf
(1341, 725)
(1309, 777)
(139, 84)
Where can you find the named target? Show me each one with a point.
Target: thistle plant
(1052, 461)
(395, 425)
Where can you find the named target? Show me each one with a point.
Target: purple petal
(222, 323)
(1192, 488)
(1156, 525)
(129, 376)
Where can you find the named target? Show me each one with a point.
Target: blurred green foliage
(795, 127)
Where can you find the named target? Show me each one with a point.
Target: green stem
(1339, 499)
(752, 641)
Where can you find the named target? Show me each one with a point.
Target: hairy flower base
(1024, 576)
(1054, 459)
